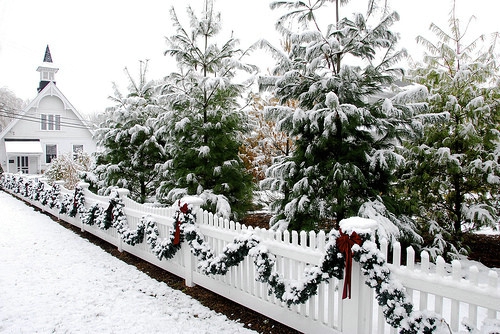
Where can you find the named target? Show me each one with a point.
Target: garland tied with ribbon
(340, 250)
(344, 244)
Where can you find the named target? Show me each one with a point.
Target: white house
(49, 126)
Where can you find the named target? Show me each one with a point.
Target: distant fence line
(446, 289)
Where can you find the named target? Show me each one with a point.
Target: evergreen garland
(165, 248)
(53, 196)
(119, 221)
(65, 204)
(38, 190)
(44, 196)
(90, 216)
(78, 202)
(18, 185)
(390, 294)
(26, 192)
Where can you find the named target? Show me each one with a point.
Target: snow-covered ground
(53, 281)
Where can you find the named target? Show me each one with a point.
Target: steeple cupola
(47, 70)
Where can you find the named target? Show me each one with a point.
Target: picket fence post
(356, 312)
(189, 263)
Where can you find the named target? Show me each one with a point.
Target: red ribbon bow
(177, 236)
(184, 209)
(344, 245)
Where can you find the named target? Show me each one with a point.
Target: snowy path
(52, 281)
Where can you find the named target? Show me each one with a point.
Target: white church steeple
(47, 70)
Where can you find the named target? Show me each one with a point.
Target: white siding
(72, 130)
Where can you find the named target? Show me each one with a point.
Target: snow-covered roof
(23, 147)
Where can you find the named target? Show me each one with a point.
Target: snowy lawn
(53, 281)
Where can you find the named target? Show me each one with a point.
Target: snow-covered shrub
(67, 167)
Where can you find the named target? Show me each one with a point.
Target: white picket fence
(454, 293)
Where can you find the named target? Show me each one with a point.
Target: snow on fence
(458, 295)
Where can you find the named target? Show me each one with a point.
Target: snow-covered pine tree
(204, 123)
(455, 166)
(344, 159)
(130, 148)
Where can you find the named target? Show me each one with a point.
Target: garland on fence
(53, 196)
(341, 248)
(113, 216)
(391, 295)
(39, 189)
(65, 203)
(78, 202)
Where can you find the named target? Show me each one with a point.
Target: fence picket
(286, 237)
(424, 265)
(410, 258)
(396, 255)
(312, 240)
(384, 248)
(493, 284)
(321, 241)
(303, 239)
(295, 238)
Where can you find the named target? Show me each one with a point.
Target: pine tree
(344, 159)
(131, 149)
(455, 166)
(204, 124)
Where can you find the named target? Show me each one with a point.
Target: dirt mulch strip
(484, 249)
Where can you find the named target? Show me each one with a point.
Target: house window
(77, 150)
(50, 122)
(47, 76)
(43, 121)
(50, 153)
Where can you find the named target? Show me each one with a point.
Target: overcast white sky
(92, 41)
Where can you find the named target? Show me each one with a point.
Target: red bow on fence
(177, 237)
(344, 245)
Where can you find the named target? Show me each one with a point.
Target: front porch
(23, 156)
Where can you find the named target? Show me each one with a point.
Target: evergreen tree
(131, 151)
(204, 124)
(455, 167)
(344, 159)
